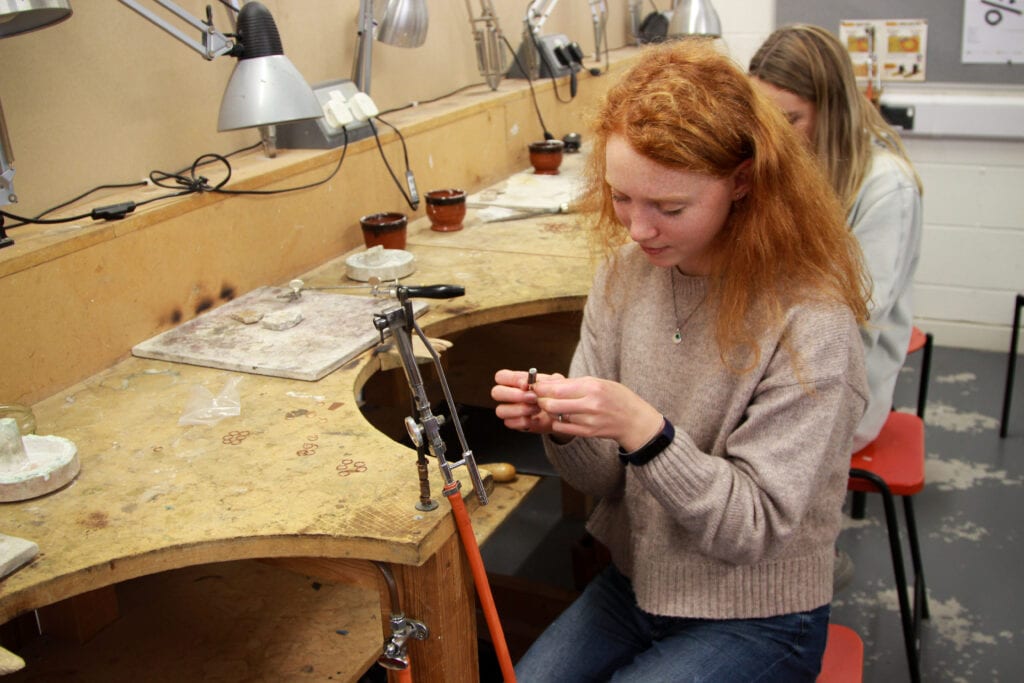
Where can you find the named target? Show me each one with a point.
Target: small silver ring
(563, 418)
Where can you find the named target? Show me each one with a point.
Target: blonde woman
(808, 73)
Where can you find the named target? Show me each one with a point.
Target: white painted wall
(972, 259)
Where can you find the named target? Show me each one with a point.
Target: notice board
(945, 33)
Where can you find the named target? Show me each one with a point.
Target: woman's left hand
(593, 407)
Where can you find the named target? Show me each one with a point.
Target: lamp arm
(490, 53)
(214, 43)
(599, 15)
(364, 47)
(537, 13)
(7, 195)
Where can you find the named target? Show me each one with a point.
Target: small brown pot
(446, 209)
(546, 156)
(386, 229)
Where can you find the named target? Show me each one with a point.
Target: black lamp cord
(412, 197)
(529, 82)
(184, 185)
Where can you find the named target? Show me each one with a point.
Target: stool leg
(1011, 366)
(926, 369)
(858, 505)
(910, 639)
(920, 597)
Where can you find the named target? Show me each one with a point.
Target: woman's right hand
(517, 404)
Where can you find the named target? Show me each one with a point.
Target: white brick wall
(972, 260)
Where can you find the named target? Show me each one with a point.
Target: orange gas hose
(483, 588)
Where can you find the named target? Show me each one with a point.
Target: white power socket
(337, 112)
(362, 106)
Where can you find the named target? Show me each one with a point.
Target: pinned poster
(993, 32)
(886, 50)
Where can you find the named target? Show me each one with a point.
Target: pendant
(677, 337)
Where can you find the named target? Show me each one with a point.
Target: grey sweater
(738, 517)
(886, 220)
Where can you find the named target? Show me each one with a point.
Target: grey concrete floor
(969, 524)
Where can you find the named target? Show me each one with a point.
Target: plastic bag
(203, 408)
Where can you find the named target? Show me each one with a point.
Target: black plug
(566, 57)
(562, 56)
(112, 212)
(575, 52)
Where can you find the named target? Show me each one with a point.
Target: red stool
(893, 465)
(843, 661)
(918, 340)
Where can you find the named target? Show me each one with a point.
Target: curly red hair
(687, 106)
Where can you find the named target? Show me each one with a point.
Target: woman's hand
(580, 406)
(517, 403)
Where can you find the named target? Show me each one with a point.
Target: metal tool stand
(424, 429)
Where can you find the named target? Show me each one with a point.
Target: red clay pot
(386, 229)
(446, 209)
(546, 156)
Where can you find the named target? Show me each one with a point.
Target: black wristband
(652, 448)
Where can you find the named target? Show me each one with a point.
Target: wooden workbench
(300, 474)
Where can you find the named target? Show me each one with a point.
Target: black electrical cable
(25, 220)
(410, 198)
(197, 183)
(533, 93)
(307, 186)
(228, 155)
(83, 195)
(185, 185)
(410, 105)
(104, 212)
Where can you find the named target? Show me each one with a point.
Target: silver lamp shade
(404, 24)
(265, 88)
(694, 18)
(21, 16)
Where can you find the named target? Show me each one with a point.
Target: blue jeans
(605, 636)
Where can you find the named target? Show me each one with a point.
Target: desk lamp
(21, 16)
(404, 25)
(346, 107)
(265, 88)
(694, 18)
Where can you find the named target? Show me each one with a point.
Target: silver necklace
(677, 336)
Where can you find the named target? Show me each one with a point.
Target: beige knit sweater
(738, 517)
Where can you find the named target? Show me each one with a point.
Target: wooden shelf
(230, 621)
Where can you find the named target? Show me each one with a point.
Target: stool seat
(843, 661)
(893, 465)
(896, 455)
(917, 339)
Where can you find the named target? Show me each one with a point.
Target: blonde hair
(688, 107)
(811, 63)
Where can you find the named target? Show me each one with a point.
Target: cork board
(334, 328)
